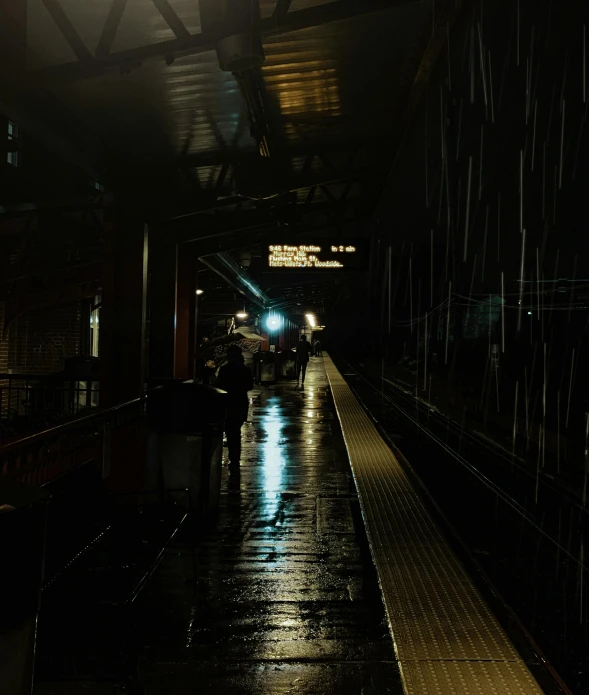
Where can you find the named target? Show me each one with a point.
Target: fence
(44, 455)
(34, 401)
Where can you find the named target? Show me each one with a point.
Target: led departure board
(324, 256)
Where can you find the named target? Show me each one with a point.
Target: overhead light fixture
(199, 292)
(312, 321)
(273, 322)
(241, 315)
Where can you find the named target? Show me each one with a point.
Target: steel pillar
(123, 312)
(162, 309)
(185, 316)
(123, 341)
(172, 275)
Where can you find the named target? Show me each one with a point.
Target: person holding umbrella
(236, 379)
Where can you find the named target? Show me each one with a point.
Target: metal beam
(241, 224)
(172, 19)
(110, 28)
(160, 210)
(239, 156)
(217, 309)
(228, 269)
(198, 43)
(281, 9)
(40, 122)
(203, 225)
(68, 30)
(237, 239)
(240, 230)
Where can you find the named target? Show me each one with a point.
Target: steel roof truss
(109, 31)
(185, 43)
(68, 30)
(172, 19)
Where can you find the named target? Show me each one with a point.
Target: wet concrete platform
(280, 596)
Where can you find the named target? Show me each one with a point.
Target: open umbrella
(236, 338)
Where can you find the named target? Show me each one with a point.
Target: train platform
(281, 596)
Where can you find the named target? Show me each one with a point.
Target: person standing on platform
(303, 353)
(318, 348)
(237, 379)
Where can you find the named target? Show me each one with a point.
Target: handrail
(58, 375)
(66, 426)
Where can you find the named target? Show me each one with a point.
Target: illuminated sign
(312, 257)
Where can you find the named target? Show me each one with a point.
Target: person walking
(237, 379)
(318, 352)
(303, 352)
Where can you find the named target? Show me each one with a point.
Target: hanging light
(273, 322)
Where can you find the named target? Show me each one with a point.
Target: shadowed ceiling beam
(67, 29)
(281, 9)
(227, 268)
(110, 28)
(198, 43)
(172, 19)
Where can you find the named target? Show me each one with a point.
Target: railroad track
(523, 532)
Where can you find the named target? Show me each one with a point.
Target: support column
(162, 311)
(185, 302)
(123, 344)
(123, 312)
(193, 333)
(172, 277)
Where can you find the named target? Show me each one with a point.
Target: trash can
(23, 521)
(288, 369)
(265, 367)
(186, 430)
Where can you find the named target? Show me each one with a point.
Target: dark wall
(499, 151)
(40, 341)
(473, 127)
(41, 175)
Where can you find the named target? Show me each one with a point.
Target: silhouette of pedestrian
(303, 352)
(237, 379)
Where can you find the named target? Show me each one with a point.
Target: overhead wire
(417, 319)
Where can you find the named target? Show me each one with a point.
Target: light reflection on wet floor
(278, 596)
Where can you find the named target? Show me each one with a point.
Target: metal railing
(44, 455)
(33, 401)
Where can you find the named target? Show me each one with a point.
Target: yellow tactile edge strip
(446, 638)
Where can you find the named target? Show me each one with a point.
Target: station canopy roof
(133, 91)
(142, 80)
